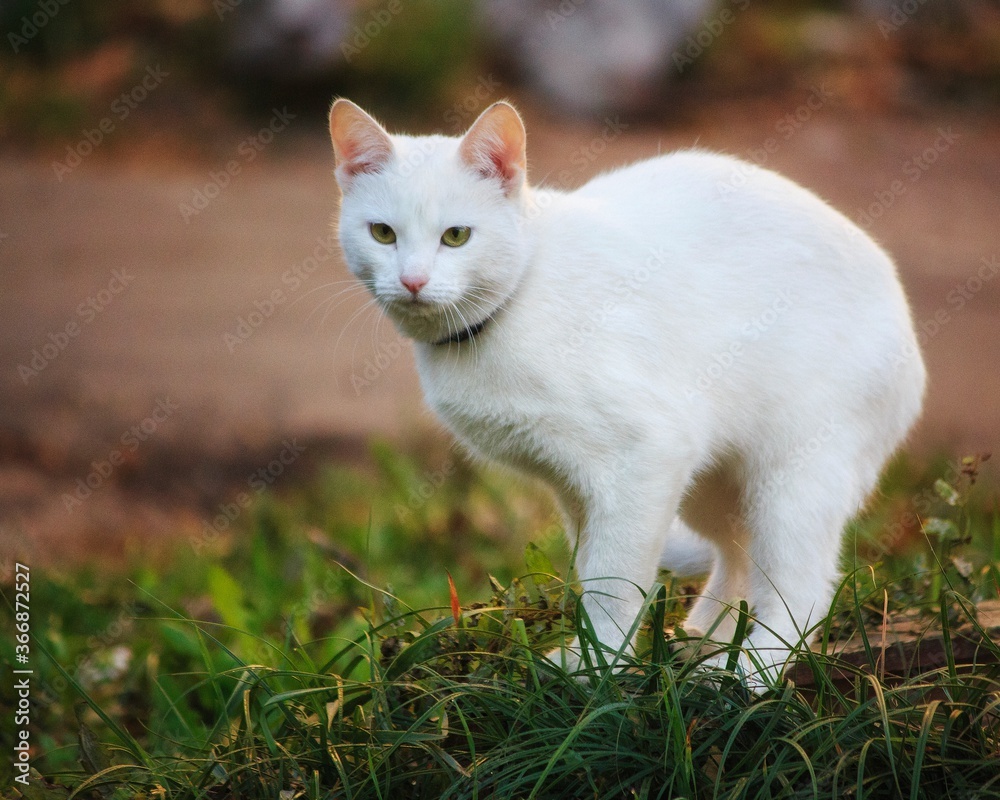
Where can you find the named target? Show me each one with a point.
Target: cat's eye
(382, 233)
(456, 236)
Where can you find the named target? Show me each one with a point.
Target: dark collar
(466, 333)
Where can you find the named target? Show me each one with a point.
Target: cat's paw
(757, 675)
(761, 671)
(690, 644)
(758, 678)
(568, 657)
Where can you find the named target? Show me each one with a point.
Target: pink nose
(414, 283)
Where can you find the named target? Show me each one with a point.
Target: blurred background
(177, 330)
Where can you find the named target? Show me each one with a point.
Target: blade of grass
(883, 709)
(568, 740)
(742, 622)
(921, 748)
(949, 650)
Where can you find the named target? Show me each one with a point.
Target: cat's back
(681, 170)
(738, 221)
(712, 251)
(704, 187)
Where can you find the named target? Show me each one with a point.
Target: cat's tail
(686, 553)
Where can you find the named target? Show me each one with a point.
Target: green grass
(314, 650)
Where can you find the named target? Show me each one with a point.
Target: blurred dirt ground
(162, 349)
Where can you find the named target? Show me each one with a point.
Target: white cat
(708, 364)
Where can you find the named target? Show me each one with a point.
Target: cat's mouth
(433, 321)
(418, 318)
(413, 307)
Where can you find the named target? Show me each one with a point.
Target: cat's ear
(495, 146)
(360, 144)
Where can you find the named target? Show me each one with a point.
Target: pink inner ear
(495, 159)
(361, 145)
(501, 166)
(361, 166)
(364, 153)
(494, 146)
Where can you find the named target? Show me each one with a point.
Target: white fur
(664, 347)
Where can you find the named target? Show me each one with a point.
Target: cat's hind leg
(716, 611)
(687, 554)
(795, 514)
(712, 517)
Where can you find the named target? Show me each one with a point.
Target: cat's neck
(467, 333)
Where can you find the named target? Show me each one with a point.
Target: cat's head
(432, 224)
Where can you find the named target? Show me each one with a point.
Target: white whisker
(352, 281)
(331, 303)
(366, 307)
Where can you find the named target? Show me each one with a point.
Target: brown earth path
(134, 305)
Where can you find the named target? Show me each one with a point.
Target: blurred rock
(595, 56)
(291, 39)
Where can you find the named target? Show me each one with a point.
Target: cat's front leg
(622, 531)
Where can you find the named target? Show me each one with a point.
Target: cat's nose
(414, 283)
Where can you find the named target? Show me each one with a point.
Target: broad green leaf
(227, 596)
